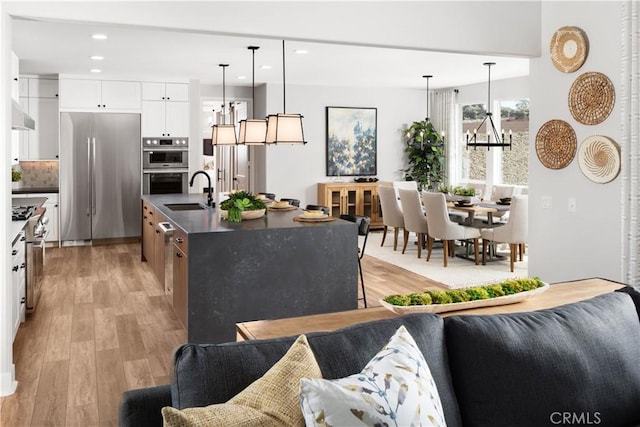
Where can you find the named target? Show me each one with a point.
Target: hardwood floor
(103, 326)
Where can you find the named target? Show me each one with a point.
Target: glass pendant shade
(285, 129)
(252, 132)
(224, 135)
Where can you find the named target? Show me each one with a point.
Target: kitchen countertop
(208, 220)
(29, 190)
(17, 226)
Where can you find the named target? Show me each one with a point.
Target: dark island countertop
(208, 220)
(266, 268)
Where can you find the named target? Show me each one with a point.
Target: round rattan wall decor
(569, 49)
(556, 144)
(599, 159)
(591, 98)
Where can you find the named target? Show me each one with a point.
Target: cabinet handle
(23, 265)
(15, 268)
(150, 212)
(157, 231)
(150, 223)
(23, 300)
(15, 79)
(98, 105)
(178, 254)
(22, 239)
(144, 217)
(56, 95)
(179, 240)
(14, 252)
(103, 105)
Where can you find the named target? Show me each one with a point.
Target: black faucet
(209, 197)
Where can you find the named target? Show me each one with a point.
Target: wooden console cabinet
(355, 198)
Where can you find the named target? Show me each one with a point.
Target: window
(474, 161)
(497, 166)
(515, 162)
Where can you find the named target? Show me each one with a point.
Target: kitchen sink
(185, 206)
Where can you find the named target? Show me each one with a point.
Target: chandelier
(498, 139)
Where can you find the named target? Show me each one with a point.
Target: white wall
(7, 370)
(294, 171)
(586, 243)
(507, 89)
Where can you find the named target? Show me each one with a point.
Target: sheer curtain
(630, 142)
(444, 119)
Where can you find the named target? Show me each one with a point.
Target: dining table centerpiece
(242, 205)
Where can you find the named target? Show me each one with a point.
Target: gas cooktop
(22, 213)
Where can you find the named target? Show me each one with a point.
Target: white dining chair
(405, 185)
(391, 213)
(514, 232)
(441, 227)
(414, 218)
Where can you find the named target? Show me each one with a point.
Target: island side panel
(275, 273)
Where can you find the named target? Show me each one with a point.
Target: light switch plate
(546, 202)
(572, 204)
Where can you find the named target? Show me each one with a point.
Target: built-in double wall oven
(165, 165)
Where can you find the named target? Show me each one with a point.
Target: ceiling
(52, 47)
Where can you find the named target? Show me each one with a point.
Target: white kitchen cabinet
(43, 141)
(156, 91)
(42, 105)
(41, 88)
(99, 95)
(15, 80)
(18, 281)
(165, 118)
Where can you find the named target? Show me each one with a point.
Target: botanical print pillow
(395, 389)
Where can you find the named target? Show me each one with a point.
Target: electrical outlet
(546, 202)
(572, 204)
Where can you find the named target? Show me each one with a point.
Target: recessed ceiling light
(95, 70)
(99, 36)
(97, 57)
(265, 67)
(301, 51)
(242, 77)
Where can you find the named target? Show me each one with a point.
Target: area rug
(459, 273)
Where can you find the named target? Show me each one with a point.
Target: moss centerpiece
(242, 205)
(437, 301)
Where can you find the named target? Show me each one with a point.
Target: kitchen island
(272, 267)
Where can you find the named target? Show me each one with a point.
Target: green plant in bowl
(239, 202)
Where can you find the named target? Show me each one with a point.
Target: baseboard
(8, 384)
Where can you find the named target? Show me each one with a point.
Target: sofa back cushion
(206, 374)
(577, 364)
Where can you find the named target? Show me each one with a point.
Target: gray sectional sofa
(577, 364)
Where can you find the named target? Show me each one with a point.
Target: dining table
(485, 207)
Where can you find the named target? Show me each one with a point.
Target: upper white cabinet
(39, 99)
(154, 91)
(165, 109)
(15, 81)
(99, 95)
(41, 88)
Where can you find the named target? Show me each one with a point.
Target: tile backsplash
(40, 174)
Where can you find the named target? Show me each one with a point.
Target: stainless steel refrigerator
(99, 176)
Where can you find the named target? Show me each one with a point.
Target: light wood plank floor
(103, 326)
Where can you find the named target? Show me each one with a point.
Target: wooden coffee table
(557, 294)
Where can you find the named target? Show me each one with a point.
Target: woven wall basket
(556, 144)
(569, 49)
(591, 98)
(599, 159)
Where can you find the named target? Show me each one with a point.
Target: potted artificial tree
(426, 155)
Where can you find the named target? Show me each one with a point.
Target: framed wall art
(351, 141)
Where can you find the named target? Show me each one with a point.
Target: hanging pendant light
(224, 134)
(498, 140)
(427, 119)
(253, 131)
(284, 128)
